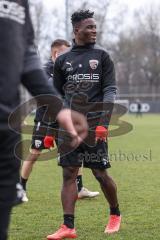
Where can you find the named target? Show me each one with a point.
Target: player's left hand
(101, 133)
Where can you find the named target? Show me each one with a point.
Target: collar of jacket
(80, 47)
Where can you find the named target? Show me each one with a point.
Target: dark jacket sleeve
(58, 77)
(108, 88)
(48, 68)
(108, 81)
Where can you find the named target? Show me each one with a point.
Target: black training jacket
(18, 58)
(87, 70)
(48, 68)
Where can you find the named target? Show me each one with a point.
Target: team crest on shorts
(38, 143)
(93, 63)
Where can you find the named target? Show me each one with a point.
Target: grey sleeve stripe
(31, 61)
(109, 93)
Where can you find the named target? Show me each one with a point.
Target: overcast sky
(132, 4)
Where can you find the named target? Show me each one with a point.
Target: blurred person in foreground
(19, 63)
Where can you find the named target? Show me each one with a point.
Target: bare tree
(137, 54)
(48, 25)
(148, 29)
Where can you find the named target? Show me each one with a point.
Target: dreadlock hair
(80, 15)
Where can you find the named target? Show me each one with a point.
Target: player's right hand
(49, 141)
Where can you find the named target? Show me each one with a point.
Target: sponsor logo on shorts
(38, 126)
(105, 161)
(58, 158)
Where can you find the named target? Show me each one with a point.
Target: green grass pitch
(135, 163)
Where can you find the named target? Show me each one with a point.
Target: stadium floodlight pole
(66, 20)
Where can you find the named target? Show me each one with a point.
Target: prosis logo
(84, 77)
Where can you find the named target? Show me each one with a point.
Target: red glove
(49, 141)
(101, 133)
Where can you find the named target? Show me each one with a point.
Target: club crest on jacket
(93, 63)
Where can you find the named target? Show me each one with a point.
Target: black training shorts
(39, 133)
(95, 157)
(40, 130)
